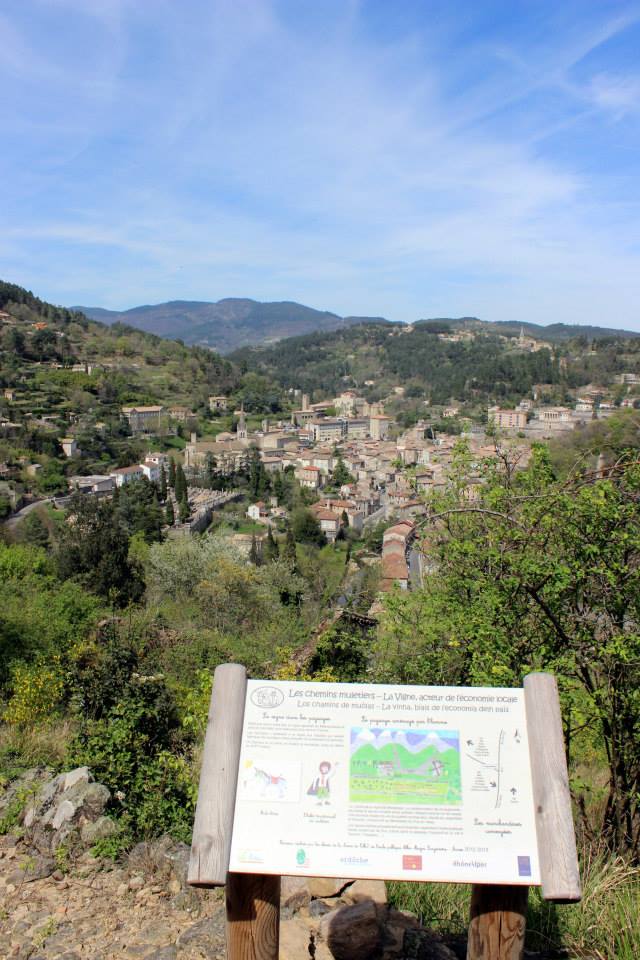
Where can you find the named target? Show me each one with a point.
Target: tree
(93, 548)
(180, 485)
(258, 476)
(340, 474)
(172, 473)
(163, 483)
(184, 512)
(289, 551)
(34, 531)
(539, 573)
(254, 556)
(270, 547)
(306, 528)
(169, 515)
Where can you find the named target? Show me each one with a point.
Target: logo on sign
(301, 858)
(412, 862)
(267, 697)
(524, 866)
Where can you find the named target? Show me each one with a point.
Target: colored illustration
(404, 766)
(320, 787)
(260, 781)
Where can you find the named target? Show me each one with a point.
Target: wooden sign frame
(498, 913)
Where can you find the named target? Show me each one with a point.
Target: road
(415, 567)
(14, 520)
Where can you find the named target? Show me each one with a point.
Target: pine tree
(163, 484)
(172, 473)
(169, 515)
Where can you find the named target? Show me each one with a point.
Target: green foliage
(538, 574)
(132, 750)
(306, 528)
(39, 617)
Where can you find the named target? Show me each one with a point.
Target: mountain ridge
(226, 324)
(231, 323)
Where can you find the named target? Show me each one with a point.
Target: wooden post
(499, 913)
(253, 916)
(253, 901)
(213, 825)
(552, 800)
(498, 922)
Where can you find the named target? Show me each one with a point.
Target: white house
(125, 474)
(151, 471)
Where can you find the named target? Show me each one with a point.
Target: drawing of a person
(321, 785)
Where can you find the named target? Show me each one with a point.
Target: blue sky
(390, 157)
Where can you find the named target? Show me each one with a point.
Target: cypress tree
(270, 547)
(169, 515)
(289, 552)
(184, 509)
(163, 484)
(172, 473)
(253, 552)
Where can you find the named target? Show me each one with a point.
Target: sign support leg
(498, 922)
(253, 916)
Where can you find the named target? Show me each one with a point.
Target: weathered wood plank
(498, 922)
(554, 820)
(213, 825)
(253, 916)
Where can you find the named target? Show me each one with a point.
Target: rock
(294, 892)
(204, 934)
(79, 775)
(326, 886)
(299, 942)
(36, 867)
(375, 890)
(352, 932)
(318, 908)
(164, 953)
(136, 883)
(173, 887)
(64, 811)
(100, 829)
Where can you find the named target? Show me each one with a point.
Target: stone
(79, 775)
(375, 890)
(204, 934)
(64, 811)
(36, 867)
(326, 886)
(164, 953)
(299, 942)
(352, 932)
(294, 892)
(318, 908)
(136, 883)
(99, 829)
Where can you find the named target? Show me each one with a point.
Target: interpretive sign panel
(389, 782)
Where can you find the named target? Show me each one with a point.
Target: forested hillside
(484, 367)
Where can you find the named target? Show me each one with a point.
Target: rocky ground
(60, 902)
(101, 911)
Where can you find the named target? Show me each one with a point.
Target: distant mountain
(226, 324)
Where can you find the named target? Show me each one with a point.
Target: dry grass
(44, 745)
(604, 926)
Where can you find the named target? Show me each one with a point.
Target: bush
(135, 751)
